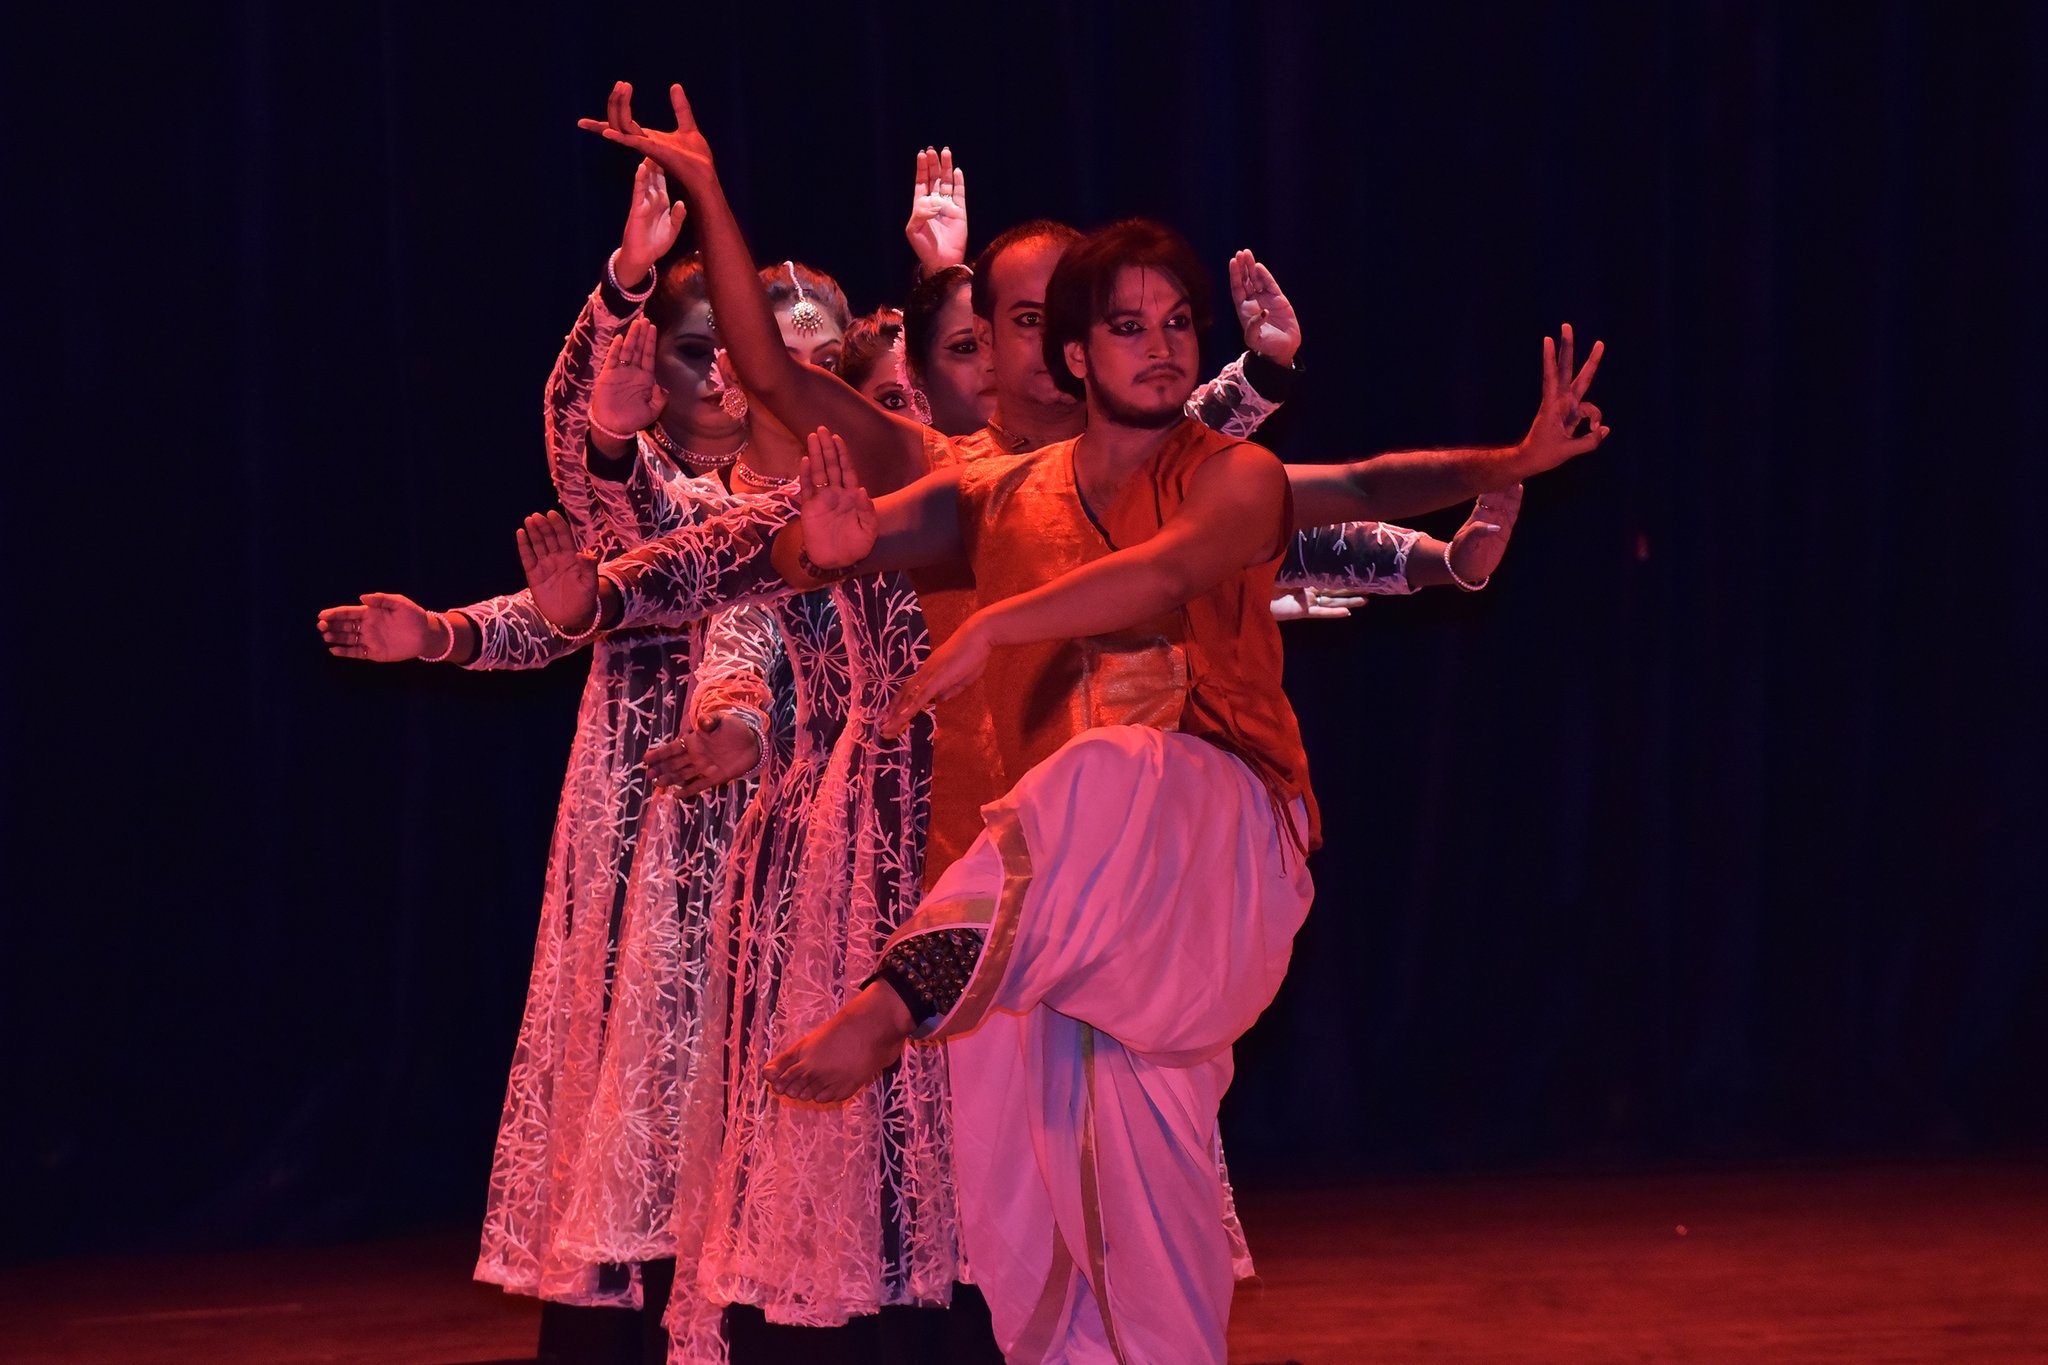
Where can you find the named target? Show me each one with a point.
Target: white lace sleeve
(722, 561)
(565, 419)
(1350, 556)
(739, 653)
(511, 633)
(1229, 404)
(653, 500)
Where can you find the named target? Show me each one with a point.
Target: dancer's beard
(1132, 415)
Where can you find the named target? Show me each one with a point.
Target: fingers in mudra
(342, 630)
(1500, 508)
(838, 515)
(1588, 424)
(669, 764)
(619, 108)
(1566, 386)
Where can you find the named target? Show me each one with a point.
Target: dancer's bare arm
(1409, 483)
(889, 450)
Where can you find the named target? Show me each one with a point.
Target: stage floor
(1916, 1264)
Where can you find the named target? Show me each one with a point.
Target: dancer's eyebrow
(1180, 302)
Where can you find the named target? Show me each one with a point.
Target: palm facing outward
(1481, 543)
(838, 515)
(385, 629)
(652, 224)
(563, 578)
(625, 396)
(1270, 326)
(1566, 424)
(684, 153)
(937, 229)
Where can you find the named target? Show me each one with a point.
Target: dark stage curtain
(1703, 834)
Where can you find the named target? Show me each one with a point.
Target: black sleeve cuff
(1269, 380)
(612, 469)
(617, 304)
(921, 1006)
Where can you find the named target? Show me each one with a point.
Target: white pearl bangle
(611, 273)
(446, 649)
(1452, 569)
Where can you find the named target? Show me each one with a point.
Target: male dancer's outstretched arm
(1408, 483)
(890, 449)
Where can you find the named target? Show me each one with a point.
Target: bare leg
(834, 1060)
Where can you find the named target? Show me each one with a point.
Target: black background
(1703, 835)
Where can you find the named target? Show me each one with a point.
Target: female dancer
(823, 1217)
(945, 356)
(644, 687)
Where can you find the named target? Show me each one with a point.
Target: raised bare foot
(834, 1060)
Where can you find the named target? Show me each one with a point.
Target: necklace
(746, 475)
(683, 456)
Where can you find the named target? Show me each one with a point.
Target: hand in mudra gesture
(624, 397)
(1566, 425)
(1270, 327)
(563, 578)
(387, 628)
(683, 153)
(1476, 551)
(838, 516)
(937, 230)
(1314, 604)
(652, 224)
(718, 750)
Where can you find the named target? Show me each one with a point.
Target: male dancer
(1033, 410)
(1128, 910)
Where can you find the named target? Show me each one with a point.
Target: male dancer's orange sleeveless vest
(1211, 669)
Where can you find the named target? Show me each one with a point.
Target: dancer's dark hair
(1079, 292)
(819, 288)
(1037, 230)
(921, 314)
(869, 339)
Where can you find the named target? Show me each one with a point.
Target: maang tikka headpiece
(803, 314)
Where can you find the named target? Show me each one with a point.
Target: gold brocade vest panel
(967, 769)
(1211, 669)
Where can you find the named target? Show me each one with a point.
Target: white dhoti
(1140, 903)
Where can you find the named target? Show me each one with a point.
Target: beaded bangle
(580, 636)
(447, 649)
(815, 570)
(611, 273)
(1452, 569)
(629, 437)
(753, 726)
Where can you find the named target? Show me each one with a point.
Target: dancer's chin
(1146, 417)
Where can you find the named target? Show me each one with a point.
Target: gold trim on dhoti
(1008, 834)
(1036, 1340)
(1091, 1200)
